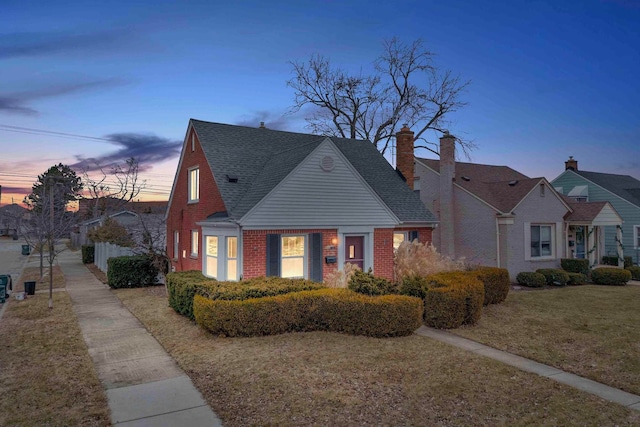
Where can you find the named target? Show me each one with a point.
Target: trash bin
(3, 289)
(26, 250)
(30, 288)
(5, 279)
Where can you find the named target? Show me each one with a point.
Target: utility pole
(51, 240)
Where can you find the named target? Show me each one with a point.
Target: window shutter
(413, 235)
(527, 241)
(315, 257)
(273, 255)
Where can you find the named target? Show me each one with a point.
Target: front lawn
(322, 378)
(592, 331)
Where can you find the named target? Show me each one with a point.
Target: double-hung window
(636, 236)
(541, 241)
(293, 256)
(176, 244)
(194, 185)
(212, 256)
(398, 238)
(232, 258)
(194, 243)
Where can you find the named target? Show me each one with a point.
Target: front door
(354, 250)
(580, 241)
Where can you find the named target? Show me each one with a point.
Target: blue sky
(549, 79)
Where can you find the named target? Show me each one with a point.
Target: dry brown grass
(33, 274)
(592, 331)
(47, 377)
(332, 379)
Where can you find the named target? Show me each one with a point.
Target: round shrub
(635, 272)
(366, 283)
(453, 299)
(531, 279)
(415, 286)
(496, 283)
(577, 279)
(575, 265)
(554, 276)
(610, 276)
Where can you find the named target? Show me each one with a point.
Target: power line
(33, 131)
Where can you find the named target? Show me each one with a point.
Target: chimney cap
(446, 134)
(262, 126)
(405, 128)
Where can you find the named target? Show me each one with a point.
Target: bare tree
(405, 87)
(150, 235)
(111, 191)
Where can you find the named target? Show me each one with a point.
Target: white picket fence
(104, 251)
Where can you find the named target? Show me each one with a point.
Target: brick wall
(182, 215)
(255, 250)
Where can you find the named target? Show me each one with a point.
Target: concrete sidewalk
(144, 385)
(611, 394)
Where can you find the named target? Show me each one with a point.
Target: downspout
(497, 243)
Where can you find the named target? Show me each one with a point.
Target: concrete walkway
(144, 385)
(611, 394)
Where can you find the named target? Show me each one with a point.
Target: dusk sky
(110, 80)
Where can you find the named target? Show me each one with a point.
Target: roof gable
(624, 186)
(261, 158)
(317, 196)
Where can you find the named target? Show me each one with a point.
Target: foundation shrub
(88, 254)
(531, 279)
(635, 272)
(554, 276)
(367, 284)
(453, 299)
(496, 283)
(613, 260)
(576, 265)
(131, 272)
(415, 286)
(334, 310)
(183, 286)
(416, 259)
(340, 279)
(610, 276)
(577, 279)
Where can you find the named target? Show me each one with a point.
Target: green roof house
(621, 191)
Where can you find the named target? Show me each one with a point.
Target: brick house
(496, 216)
(249, 202)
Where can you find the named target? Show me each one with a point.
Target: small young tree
(150, 236)
(49, 219)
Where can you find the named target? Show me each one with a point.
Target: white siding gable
(314, 197)
(607, 216)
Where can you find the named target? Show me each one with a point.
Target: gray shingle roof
(261, 158)
(624, 186)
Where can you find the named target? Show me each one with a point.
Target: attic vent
(513, 183)
(465, 178)
(232, 178)
(327, 163)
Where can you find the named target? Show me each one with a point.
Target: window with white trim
(194, 185)
(212, 256)
(194, 242)
(176, 244)
(293, 256)
(541, 241)
(636, 236)
(398, 238)
(232, 258)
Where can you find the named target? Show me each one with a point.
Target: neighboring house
(11, 219)
(496, 216)
(621, 191)
(249, 202)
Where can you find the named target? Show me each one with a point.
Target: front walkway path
(611, 394)
(144, 385)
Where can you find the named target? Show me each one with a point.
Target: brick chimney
(404, 156)
(571, 164)
(447, 178)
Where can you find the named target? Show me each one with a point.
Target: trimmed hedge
(635, 272)
(577, 279)
(366, 283)
(496, 283)
(453, 299)
(131, 272)
(335, 310)
(610, 276)
(531, 279)
(554, 276)
(88, 254)
(613, 260)
(575, 265)
(182, 287)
